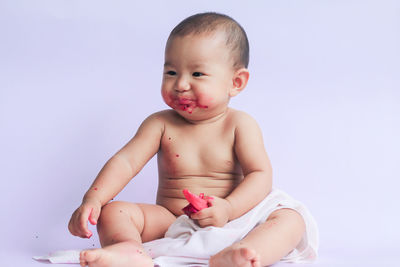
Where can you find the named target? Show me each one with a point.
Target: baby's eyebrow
(198, 65)
(167, 64)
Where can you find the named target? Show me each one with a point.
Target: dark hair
(209, 22)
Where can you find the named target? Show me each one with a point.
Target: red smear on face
(95, 188)
(183, 103)
(201, 106)
(167, 98)
(177, 155)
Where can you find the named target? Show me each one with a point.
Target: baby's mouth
(185, 101)
(187, 104)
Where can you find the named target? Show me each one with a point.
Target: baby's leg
(122, 228)
(265, 244)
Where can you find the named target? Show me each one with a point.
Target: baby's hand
(217, 214)
(89, 210)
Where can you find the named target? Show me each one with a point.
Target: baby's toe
(88, 256)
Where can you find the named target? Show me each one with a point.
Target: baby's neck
(209, 120)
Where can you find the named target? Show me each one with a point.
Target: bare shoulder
(153, 124)
(146, 141)
(242, 120)
(157, 122)
(160, 118)
(165, 116)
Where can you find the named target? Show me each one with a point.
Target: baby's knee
(291, 218)
(119, 210)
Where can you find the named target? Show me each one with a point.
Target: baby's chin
(200, 115)
(194, 114)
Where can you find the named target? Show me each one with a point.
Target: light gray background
(78, 77)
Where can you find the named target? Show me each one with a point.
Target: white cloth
(62, 256)
(187, 244)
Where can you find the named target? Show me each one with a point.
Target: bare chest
(197, 151)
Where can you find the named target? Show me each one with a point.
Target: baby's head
(206, 59)
(210, 23)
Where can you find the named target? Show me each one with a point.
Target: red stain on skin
(167, 99)
(177, 155)
(188, 104)
(95, 188)
(183, 103)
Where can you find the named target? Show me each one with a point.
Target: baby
(202, 145)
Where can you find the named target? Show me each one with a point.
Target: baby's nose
(182, 85)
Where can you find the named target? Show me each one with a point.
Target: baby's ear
(239, 82)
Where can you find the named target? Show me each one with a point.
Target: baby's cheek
(205, 101)
(167, 98)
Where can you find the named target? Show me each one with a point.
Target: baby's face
(198, 76)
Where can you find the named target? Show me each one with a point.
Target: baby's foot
(235, 256)
(124, 254)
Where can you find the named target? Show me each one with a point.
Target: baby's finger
(94, 215)
(205, 222)
(200, 215)
(83, 226)
(210, 200)
(71, 225)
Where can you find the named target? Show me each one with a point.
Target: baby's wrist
(91, 199)
(230, 209)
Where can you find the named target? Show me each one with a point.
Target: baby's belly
(170, 196)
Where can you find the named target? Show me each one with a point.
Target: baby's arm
(256, 166)
(117, 173)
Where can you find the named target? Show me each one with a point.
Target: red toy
(196, 203)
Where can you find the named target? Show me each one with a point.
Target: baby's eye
(197, 74)
(171, 72)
